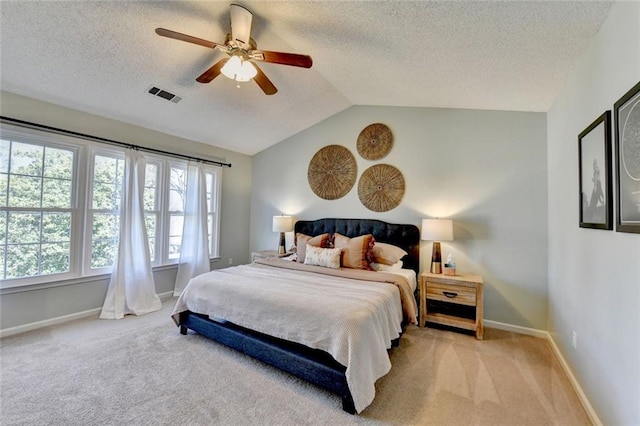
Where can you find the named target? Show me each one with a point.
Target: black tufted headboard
(405, 236)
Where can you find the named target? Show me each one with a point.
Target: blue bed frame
(313, 365)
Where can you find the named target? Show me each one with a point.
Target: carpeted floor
(141, 371)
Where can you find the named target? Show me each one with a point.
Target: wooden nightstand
(267, 253)
(452, 300)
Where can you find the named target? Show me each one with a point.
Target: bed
(314, 359)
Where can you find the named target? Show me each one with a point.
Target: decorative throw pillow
(327, 257)
(355, 251)
(302, 240)
(387, 253)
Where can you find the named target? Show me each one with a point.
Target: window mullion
(41, 234)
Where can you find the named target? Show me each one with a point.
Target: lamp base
(436, 259)
(281, 249)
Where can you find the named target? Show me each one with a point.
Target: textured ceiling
(102, 56)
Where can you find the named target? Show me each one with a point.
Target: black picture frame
(594, 174)
(627, 136)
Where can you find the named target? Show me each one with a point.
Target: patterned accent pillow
(302, 240)
(327, 257)
(355, 251)
(387, 254)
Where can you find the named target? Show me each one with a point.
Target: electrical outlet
(574, 340)
(230, 261)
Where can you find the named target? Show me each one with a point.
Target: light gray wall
(19, 307)
(484, 169)
(594, 275)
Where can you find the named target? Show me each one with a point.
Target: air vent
(164, 94)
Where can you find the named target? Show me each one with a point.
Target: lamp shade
(282, 223)
(437, 229)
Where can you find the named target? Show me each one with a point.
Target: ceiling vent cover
(164, 94)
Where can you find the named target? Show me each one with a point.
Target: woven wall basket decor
(375, 141)
(332, 172)
(381, 188)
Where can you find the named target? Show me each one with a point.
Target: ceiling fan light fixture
(238, 69)
(247, 72)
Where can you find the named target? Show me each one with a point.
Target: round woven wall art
(375, 141)
(332, 172)
(381, 188)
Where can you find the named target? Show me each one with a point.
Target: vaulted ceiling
(102, 56)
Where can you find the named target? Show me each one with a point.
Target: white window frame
(161, 166)
(168, 213)
(214, 210)
(82, 198)
(42, 139)
(87, 270)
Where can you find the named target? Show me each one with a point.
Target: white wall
(594, 275)
(42, 302)
(485, 169)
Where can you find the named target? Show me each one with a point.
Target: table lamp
(282, 224)
(437, 230)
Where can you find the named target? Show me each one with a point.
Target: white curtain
(131, 288)
(194, 252)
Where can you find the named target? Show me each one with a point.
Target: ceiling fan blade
(212, 72)
(292, 59)
(263, 81)
(183, 37)
(241, 20)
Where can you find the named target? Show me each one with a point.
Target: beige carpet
(140, 370)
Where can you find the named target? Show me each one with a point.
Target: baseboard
(591, 413)
(11, 331)
(516, 329)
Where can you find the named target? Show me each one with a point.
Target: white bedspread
(355, 321)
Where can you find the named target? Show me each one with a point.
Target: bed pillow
(327, 257)
(355, 251)
(387, 254)
(381, 267)
(302, 240)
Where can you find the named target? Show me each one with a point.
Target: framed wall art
(627, 135)
(594, 173)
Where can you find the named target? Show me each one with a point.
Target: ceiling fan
(242, 50)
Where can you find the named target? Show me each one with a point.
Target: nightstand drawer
(451, 293)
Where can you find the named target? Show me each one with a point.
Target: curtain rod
(107, 141)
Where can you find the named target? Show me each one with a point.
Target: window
(104, 213)
(151, 206)
(60, 207)
(177, 193)
(36, 208)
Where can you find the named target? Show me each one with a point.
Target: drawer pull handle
(450, 294)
